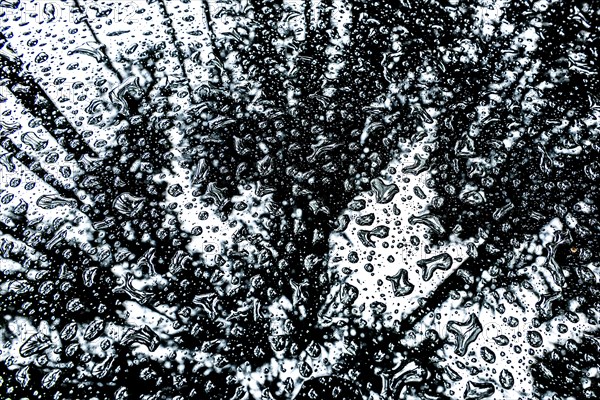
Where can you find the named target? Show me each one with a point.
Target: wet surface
(299, 199)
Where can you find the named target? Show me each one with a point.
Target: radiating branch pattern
(280, 199)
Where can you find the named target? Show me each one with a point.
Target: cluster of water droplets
(283, 199)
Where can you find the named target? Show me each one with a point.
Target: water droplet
(441, 262)
(50, 379)
(465, 333)
(22, 376)
(36, 343)
(305, 369)
(144, 336)
(366, 236)
(501, 340)
(534, 338)
(365, 220)
(477, 391)
(506, 379)
(429, 220)
(384, 193)
(94, 330)
(50, 201)
(401, 286)
(488, 355)
(128, 204)
(68, 332)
